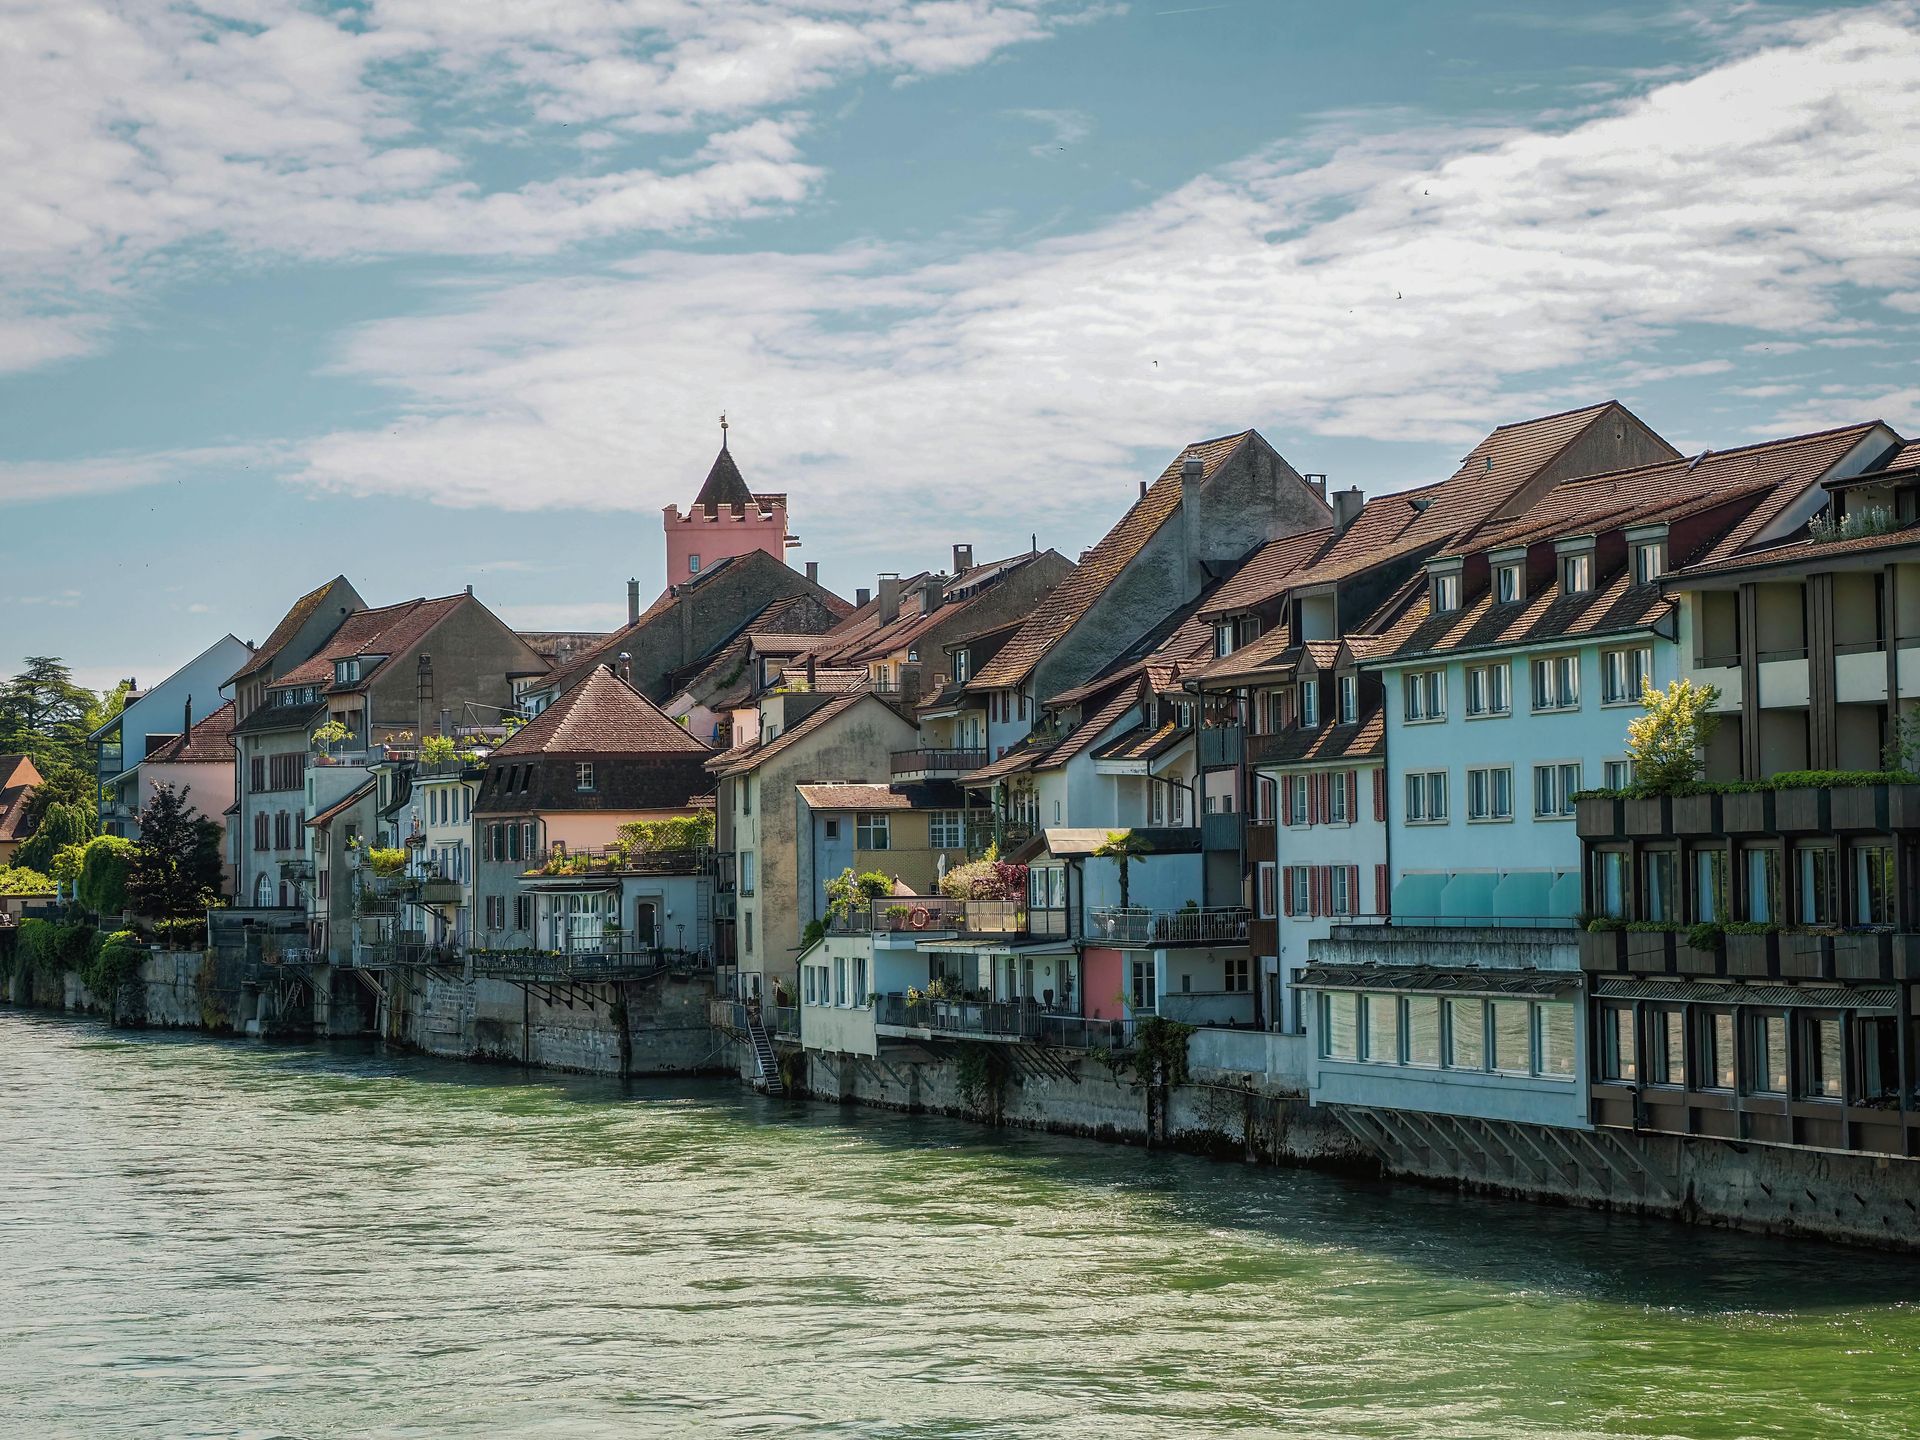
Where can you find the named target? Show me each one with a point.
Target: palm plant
(1123, 847)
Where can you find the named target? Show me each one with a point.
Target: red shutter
(1313, 799)
(1353, 889)
(1379, 889)
(1380, 796)
(1326, 795)
(1317, 891)
(1286, 800)
(1353, 795)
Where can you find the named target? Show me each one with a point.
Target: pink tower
(726, 519)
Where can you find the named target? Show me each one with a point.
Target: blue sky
(435, 294)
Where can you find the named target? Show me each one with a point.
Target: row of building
(1368, 757)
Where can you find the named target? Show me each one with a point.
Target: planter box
(1597, 819)
(1903, 807)
(1756, 957)
(1863, 955)
(1806, 957)
(1696, 815)
(1860, 807)
(1803, 809)
(1650, 952)
(1747, 814)
(1652, 816)
(1906, 956)
(1690, 961)
(1603, 952)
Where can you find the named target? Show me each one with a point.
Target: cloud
(1420, 285)
(1064, 128)
(29, 480)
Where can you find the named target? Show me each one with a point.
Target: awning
(1875, 999)
(1422, 980)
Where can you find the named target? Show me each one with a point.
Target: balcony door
(1145, 991)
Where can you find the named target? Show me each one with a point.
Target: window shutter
(1379, 889)
(1313, 799)
(1286, 799)
(1285, 907)
(1353, 889)
(1352, 779)
(1380, 794)
(1316, 891)
(1326, 795)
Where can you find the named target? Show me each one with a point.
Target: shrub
(848, 892)
(985, 879)
(1602, 924)
(1665, 743)
(387, 862)
(436, 749)
(111, 962)
(1707, 935)
(104, 866)
(19, 880)
(181, 933)
(61, 826)
(680, 832)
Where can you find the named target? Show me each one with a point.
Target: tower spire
(723, 429)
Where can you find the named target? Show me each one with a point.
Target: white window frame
(1429, 783)
(1564, 788)
(583, 775)
(1624, 657)
(1646, 572)
(1444, 592)
(1267, 889)
(1349, 699)
(947, 829)
(1309, 706)
(1502, 573)
(1576, 573)
(1556, 697)
(1424, 697)
(871, 825)
(1300, 891)
(1339, 892)
(1617, 772)
(1337, 813)
(1480, 682)
(1482, 785)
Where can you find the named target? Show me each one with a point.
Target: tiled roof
(1016, 761)
(205, 744)
(1090, 729)
(1269, 571)
(1142, 742)
(1366, 739)
(1805, 551)
(391, 630)
(601, 716)
(1069, 601)
(852, 797)
(724, 484)
(345, 803)
(749, 757)
(19, 778)
(1540, 619)
(290, 623)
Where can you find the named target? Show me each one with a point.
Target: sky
(432, 293)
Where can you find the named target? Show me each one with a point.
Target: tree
(1665, 744)
(18, 880)
(63, 824)
(44, 714)
(104, 866)
(1123, 847)
(175, 867)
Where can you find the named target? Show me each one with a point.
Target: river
(207, 1238)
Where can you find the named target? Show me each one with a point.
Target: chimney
(1191, 470)
(1317, 484)
(813, 572)
(623, 667)
(962, 560)
(633, 602)
(931, 590)
(861, 597)
(186, 716)
(810, 673)
(1346, 508)
(1143, 489)
(889, 593)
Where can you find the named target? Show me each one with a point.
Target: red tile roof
(19, 778)
(205, 744)
(1614, 608)
(1806, 551)
(852, 797)
(1142, 742)
(601, 716)
(743, 758)
(1069, 601)
(1269, 572)
(390, 631)
(1366, 739)
(1091, 728)
(346, 802)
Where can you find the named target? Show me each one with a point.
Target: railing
(936, 914)
(401, 955)
(1398, 920)
(1222, 745)
(1075, 1032)
(913, 762)
(1137, 926)
(726, 906)
(1208, 1007)
(581, 964)
(1221, 830)
(561, 861)
(1021, 1018)
(781, 1020)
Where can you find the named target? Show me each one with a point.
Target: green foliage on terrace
(387, 862)
(1785, 780)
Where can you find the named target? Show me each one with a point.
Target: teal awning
(1417, 896)
(1469, 896)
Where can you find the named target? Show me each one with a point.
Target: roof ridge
(1542, 419)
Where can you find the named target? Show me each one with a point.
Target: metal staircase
(763, 1056)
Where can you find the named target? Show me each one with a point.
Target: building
(912, 832)
(19, 778)
(727, 520)
(199, 766)
(150, 719)
(564, 861)
(753, 662)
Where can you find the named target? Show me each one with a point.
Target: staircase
(763, 1056)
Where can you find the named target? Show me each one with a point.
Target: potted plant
(897, 917)
(1702, 950)
(1753, 949)
(1603, 944)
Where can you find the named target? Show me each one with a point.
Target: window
(1298, 898)
(257, 773)
(1339, 1025)
(840, 980)
(747, 858)
(1381, 1035)
(693, 564)
(1466, 1034)
(1309, 703)
(1512, 1035)
(1667, 1048)
(1264, 805)
(1618, 1059)
(1445, 592)
(1296, 799)
(1660, 885)
(1490, 794)
(860, 991)
(872, 832)
(946, 830)
(1340, 788)
(746, 795)
(809, 985)
(1762, 885)
(1279, 710)
(1427, 797)
(1339, 890)
(1576, 573)
(1508, 584)
(1145, 987)
(746, 931)
(1709, 886)
(833, 829)
(1556, 1038)
(1223, 638)
(583, 775)
(1489, 689)
(262, 832)
(1716, 1050)
(1423, 1030)
(1767, 1034)
(962, 666)
(1618, 774)
(1426, 696)
(1649, 561)
(1349, 699)
(1554, 787)
(1819, 885)
(1238, 975)
(1556, 683)
(1266, 889)
(523, 912)
(1626, 673)
(1820, 1064)
(1873, 884)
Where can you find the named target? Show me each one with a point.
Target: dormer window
(1509, 583)
(962, 667)
(1223, 638)
(1576, 573)
(1309, 704)
(346, 672)
(1349, 700)
(1649, 561)
(1445, 592)
(583, 775)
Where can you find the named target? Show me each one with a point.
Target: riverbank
(669, 1026)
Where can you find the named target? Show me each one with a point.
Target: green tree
(1123, 847)
(104, 866)
(175, 868)
(18, 880)
(1665, 744)
(63, 824)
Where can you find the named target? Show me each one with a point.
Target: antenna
(723, 429)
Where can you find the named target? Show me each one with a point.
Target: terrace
(1139, 926)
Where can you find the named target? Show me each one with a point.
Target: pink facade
(1105, 979)
(726, 520)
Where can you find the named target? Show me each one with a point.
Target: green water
(200, 1238)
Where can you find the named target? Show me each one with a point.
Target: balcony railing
(935, 914)
(726, 906)
(1020, 1019)
(1222, 830)
(1137, 926)
(1076, 1032)
(563, 860)
(1229, 1008)
(581, 964)
(1222, 745)
(937, 762)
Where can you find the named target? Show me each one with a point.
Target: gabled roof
(205, 744)
(19, 778)
(852, 797)
(1807, 551)
(1124, 698)
(724, 484)
(390, 631)
(1069, 601)
(743, 758)
(1269, 571)
(283, 633)
(602, 715)
(862, 637)
(1550, 615)
(1143, 742)
(345, 803)
(1365, 739)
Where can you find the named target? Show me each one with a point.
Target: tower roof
(724, 483)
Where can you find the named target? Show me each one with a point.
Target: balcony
(1222, 746)
(936, 764)
(1135, 926)
(982, 1019)
(578, 965)
(563, 861)
(1222, 830)
(933, 915)
(726, 906)
(1219, 1009)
